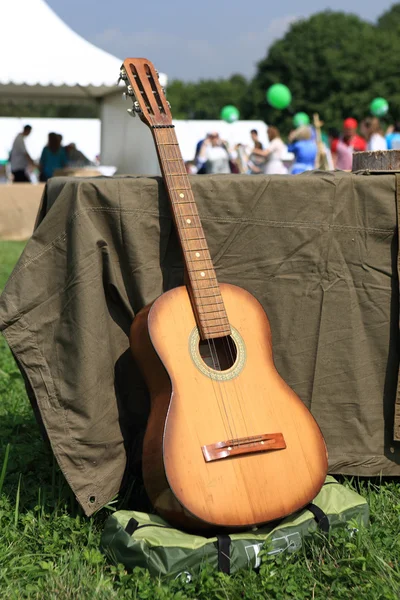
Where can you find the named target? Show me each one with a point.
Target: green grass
(49, 550)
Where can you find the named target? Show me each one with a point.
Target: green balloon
(379, 107)
(279, 96)
(230, 113)
(301, 118)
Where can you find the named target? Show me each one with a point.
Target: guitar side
(160, 389)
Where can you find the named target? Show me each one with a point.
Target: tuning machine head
(135, 109)
(122, 75)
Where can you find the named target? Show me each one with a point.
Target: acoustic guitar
(228, 443)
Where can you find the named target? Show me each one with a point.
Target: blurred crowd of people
(302, 152)
(54, 156)
(213, 154)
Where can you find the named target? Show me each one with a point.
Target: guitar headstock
(144, 88)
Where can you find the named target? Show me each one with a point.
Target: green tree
(334, 64)
(390, 20)
(204, 100)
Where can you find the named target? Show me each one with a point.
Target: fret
(195, 231)
(196, 261)
(182, 174)
(180, 188)
(215, 325)
(199, 285)
(203, 309)
(221, 330)
(204, 295)
(213, 321)
(215, 298)
(211, 307)
(194, 239)
(194, 247)
(202, 289)
(212, 316)
(209, 335)
(202, 270)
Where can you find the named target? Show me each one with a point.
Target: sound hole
(219, 353)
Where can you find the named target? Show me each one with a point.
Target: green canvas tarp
(319, 251)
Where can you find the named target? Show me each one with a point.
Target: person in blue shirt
(53, 157)
(304, 149)
(393, 137)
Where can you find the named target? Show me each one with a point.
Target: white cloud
(192, 59)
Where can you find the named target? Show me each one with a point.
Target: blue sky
(193, 40)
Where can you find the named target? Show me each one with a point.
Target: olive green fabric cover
(318, 251)
(167, 551)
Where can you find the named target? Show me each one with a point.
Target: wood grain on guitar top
(191, 410)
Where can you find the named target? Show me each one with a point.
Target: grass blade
(4, 467)
(16, 512)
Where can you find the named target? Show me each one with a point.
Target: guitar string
(214, 356)
(178, 158)
(171, 136)
(225, 341)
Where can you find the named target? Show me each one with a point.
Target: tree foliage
(390, 20)
(204, 100)
(334, 64)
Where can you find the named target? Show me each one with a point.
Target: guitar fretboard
(209, 307)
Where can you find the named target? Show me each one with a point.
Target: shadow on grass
(29, 469)
(30, 475)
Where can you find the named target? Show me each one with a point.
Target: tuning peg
(169, 105)
(131, 112)
(136, 107)
(158, 74)
(122, 76)
(124, 95)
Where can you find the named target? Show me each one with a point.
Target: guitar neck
(203, 286)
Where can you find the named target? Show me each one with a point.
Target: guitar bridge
(245, 445)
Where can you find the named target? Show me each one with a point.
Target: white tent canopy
(42, 58)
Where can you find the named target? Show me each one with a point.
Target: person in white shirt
(214, 154)
(19, 157)
(274, 153)
(373, 133)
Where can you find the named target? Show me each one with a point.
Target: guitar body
(191, 482)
